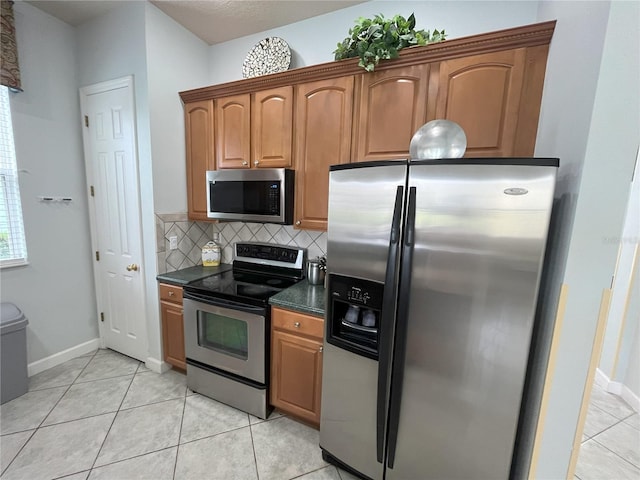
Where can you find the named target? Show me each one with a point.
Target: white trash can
(13, 352)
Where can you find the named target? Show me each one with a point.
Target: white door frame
(85, 92)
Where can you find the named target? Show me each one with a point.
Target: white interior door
(109, 134)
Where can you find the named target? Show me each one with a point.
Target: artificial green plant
(377, 38)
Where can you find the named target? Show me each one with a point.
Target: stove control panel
(270, 254)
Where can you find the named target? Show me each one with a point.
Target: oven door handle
(219, 302)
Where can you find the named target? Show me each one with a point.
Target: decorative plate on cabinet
(271, 55)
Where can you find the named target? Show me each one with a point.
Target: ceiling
(214, 21)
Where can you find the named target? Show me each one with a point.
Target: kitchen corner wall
(192, 236)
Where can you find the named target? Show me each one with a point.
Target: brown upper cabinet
(233, 132)
(483, 93)
(255, 130)
(491, 84)
(391, 106)
(198, 121)
(323, 138)
(272, 127)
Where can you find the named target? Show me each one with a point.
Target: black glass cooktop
(239, 286)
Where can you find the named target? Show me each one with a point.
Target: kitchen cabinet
(233, 120)
(296, 363)
(255, 130)
(172, 325)
(390, 107)
(323, 138)
(489, 97)
(313, 117)
(198, 120)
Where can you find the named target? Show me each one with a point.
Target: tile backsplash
(192, 236)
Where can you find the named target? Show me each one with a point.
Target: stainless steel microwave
(251, 195)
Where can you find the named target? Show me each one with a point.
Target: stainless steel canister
(315, 276)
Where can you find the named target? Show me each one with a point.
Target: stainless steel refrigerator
(433, 276)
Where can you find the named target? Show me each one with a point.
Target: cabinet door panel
(198, 117)
(482, 94)
(392, 106)
(173, 334)
(233, 118)
(323, 135)
(296, 375)
(271, 127)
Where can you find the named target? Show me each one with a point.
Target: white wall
(623, 319)
(591, 85)
(55, 291)
(313, 41)
(113, 46)
(177, 60)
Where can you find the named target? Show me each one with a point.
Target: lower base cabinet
(296, 364)
(172, 325)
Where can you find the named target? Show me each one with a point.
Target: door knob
(132, 267)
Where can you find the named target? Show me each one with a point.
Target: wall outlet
(173, 242)
(216, 237)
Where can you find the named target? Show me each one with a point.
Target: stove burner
(274, 281)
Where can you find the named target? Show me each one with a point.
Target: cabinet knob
(298, 222)
(245, 163)
(296, 324)
(256, 162)
(321, 349)
(171, 294)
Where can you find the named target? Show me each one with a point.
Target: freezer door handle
(401, 328)
(386, 324)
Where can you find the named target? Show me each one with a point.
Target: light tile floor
(106, 416)
(611, 441)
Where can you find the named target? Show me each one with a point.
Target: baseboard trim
(63, 356)
(619, 389)
(631, 398)
(156, 365)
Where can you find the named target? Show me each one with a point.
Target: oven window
(223, 334)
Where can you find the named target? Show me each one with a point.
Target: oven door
(226, 336)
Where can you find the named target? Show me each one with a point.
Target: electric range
(227, 324)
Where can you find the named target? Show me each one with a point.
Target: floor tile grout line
(148, 404)
(184, 409)
(253, 448)
(608, 428)
(111, 426)
(45, 417)
(214, 435)
(609, 412)
(123, 460)
(616, 454)
(19, 451)
(312, 471)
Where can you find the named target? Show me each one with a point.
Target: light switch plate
(173, 242)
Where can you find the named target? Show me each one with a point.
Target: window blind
(13, 250)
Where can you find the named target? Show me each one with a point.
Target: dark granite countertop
(301, 297)
(191, 274)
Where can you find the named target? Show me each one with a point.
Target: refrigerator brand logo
(516, 191)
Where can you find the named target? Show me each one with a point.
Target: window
(13, 250)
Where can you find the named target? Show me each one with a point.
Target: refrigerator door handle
(401, 328)
(386, 324)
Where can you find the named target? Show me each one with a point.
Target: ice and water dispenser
(354, 314)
